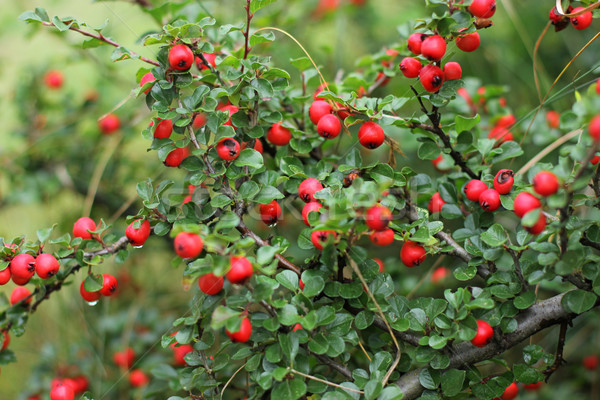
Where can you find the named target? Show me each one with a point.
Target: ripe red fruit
(412, 254)
(329, 126)
(109, 124)
(210, 283)
(452, 70)
(489, 200)
(533, 386)
(318, 109)
(228, 149)
(18, 294)
(258, 146)
(46, 265)
(435, 203)
(308, 208)
(90, 297)
(137, 378)
(179, 353)
(439, 274)
(553, 119)
(539, 226)
(469, 42)
(582, 21)
(243, 335)
(410, 67)
(301, 284)
(199, 121)
(371, 135)
(138, 236)
(483, 8)
(270, 213)
(555, 17)
(431, 77)
(474, 188)
(22, 266)
(436, 164)
(319, 238)
(594, 128)
(188, 245)
(240, 270)
(382, 238)
(176, 157)
(506, 121)
(5, 276)
(279, 135)
(415, 41)
(504, 180)
(181, 57)
(148, 77)
(109, 285)
(433, 48)
(54, 79)
(378, 217)
(125, 358)
(501, 134)
(484, 334)
(82, 226)
(510, 392)
(595, 160)
(163, 129)
(525, 202)
(297, 327)
(210, 58)
(62, 392)
(231, 109)
(380, 263)
(308, 188)
(545, 183)
(590, 362)
(5, 340)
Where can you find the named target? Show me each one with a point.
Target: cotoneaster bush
(294, 209)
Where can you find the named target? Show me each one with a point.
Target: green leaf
(265, 254)
(578, 301)
(429, 379)
(256, 5)
(288, 279)
(495, 236)
(428, 150)
(250, 158)
(267, 194)
(452, 382)
(391, 392)
(289, 389)
(465, 124)
(61, 26)
(44, 234)
(248, 190)
(525, 300)
(93, 283)
(383, 174)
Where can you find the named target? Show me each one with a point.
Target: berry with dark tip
(433, 48)
(228, 149)
(109, 285)
(319, 238)
(188, 245)
(371, 135)
(415, 42)
(410, 67)
(329, 126)
(181, 57)
(474, 188)
(412, 254)
(431, 77)
(308, 188)
(504, 180)
(489, 200)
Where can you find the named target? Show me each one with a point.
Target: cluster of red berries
(489, 199)
(67, 388)
(500, 132)
(579, 22)
(23, 266)
(433, 48)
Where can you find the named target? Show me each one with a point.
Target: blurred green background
(335, 40)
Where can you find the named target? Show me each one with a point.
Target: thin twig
(314, 378)
(230, 379)
(559, 352)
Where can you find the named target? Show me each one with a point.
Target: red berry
(380, 263)
(590, 362)
(378, 217)
(231, 109)
(54, 79)
(452, 70)
(308, 188)
(176, 157)
(308, 208)
(501, 134)
(148, 77)
(137, 378)
(506, 121)
(431, 77)
(483, 8)
(210, 283)
(199, 121)
(489, 200)
(436, 163)
(382, 238)
(329, 126)
(410, 67)
(318, 109)
(138, 236)
(62, 392)
(109, 124)
(594, 128)
(297, 327)
(412, 254)
(439, 274)
(539, 226)
(46, 265)
(469, 42)
(582, 21)
(270, 213)
(510, 392)
(5, 340)
(525, 202)
(109, 285)
(474, 188)
(598, 86)
(553, 119)
(188, 245)
(504, 180)
(533, 386)
(210, 58)
(301, 284)
(125, 358)
(163, 129)
(228, 149)
(319, 89)
(484, 334)
(240, 270)
(555, 17)
(415, 41)
(371, 135)
(18, 294)
(545, 183)
(179, 353)
(243, 335)
(435, 203)
(319, 238)
(279, 135)
(433, 48)
(181, 57)
(258, 146)
(5, 276)
(595, 160)
(90, 297)
(22, 266)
